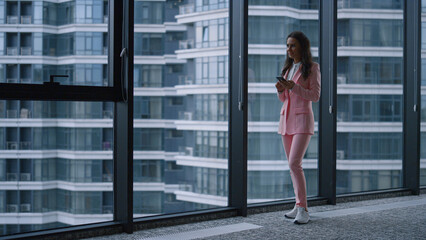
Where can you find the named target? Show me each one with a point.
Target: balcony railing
(106, 19)
(186, 80)
(105, 51)
(186, 44)
(12, 145)
(26, 50)
(12, 113)
(25, 80)
(12, 19)
(11, 80)
(186, 9)
(26, 19)
(12, 51)
(25, 145)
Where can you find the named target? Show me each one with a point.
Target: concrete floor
(390, 218)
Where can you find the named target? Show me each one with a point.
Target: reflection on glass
(423, 105)
(56, 166)
(269, 175)
(52, 43)
(181, 106)
(370, 102)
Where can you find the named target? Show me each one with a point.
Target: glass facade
(181, 107)
(369, 96)
(423, 101)
(56, 164)
(269, 174)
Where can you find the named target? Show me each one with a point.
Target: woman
(296, 124)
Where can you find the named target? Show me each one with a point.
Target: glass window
(57, 52)
(180, 107)
(369, 124)
(423, 105)
(55, 142)
(269, 173)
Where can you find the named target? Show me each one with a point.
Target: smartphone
(281, 79)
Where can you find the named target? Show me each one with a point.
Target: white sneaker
(302, 216)
(292, 214)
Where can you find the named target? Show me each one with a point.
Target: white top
(293, 70)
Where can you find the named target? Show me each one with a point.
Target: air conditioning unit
(341, 79)
(25, 177)
(340, 154)
(189, 151)
(187, 115)
(24, 113)
(12, 177)
(26, 207)
(12, 145)
(12, 208)
(107, 177)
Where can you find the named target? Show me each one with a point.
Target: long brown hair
(306, 60)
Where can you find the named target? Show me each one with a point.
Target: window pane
(180, 107)
(52, 43)
(268, 169)
(56, 166)
(423, 105)
(369, 123)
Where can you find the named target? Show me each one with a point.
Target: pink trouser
(295, 147)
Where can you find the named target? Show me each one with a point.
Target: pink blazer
(296, 114)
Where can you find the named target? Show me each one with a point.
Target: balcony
(105, 51)
(106, 19)
(186, 44)
(25, 19)
(186, 9)
(11, 51)
(25, 51)
(12, 19)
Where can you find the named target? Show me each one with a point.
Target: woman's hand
(285, 85)
(279, 87)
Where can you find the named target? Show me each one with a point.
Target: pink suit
(297, 125)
